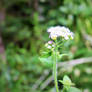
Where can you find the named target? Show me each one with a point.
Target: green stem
(55, 69)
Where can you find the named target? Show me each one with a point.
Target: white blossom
(59, 31)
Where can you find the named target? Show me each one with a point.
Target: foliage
(24, 33)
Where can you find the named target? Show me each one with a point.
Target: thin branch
(75, 62)
(45, 84)
(39, 81)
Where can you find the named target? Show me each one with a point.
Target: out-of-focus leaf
(73, 89)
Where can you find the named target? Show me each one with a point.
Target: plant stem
(55, 69)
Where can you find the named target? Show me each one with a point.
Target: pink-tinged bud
(50, 42)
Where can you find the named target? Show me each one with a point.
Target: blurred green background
(23, 24)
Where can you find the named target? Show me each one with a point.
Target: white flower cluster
(59, 31)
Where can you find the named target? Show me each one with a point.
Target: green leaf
(66, 82)
(46, 61)
(73, 89)
(66, 78)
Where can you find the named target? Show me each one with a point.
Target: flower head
(59, 31)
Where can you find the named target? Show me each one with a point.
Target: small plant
(67, 85)
(58, 35)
